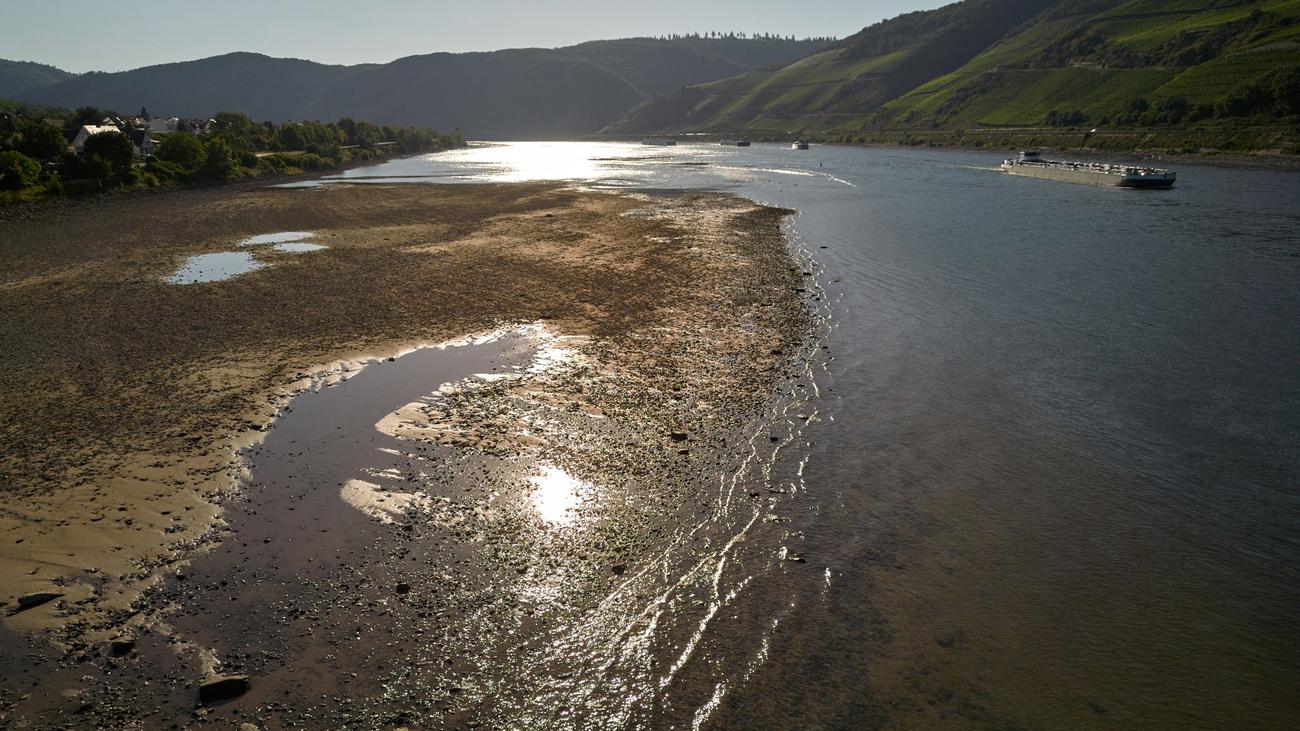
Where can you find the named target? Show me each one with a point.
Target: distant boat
(799, 145)
(742, 142)
(659, 141)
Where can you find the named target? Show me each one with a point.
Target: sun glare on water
(556, 495)
(545, 160)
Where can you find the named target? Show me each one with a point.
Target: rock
(29, 601)
(618, 568)
(120, 646)
(403, 587)
(249, 727)
(678, 436)
(223, 688)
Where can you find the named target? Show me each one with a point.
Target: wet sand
(148, 481)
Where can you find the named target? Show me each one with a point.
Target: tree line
(1275, 95)
(36, 159)
(742, 36)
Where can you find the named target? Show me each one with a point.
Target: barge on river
(1031, 164)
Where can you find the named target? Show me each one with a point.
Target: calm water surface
(1055, 479)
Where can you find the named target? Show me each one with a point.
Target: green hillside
(835, 87)
(1067, 63)
(1151, 62)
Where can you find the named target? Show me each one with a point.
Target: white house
(79, 142)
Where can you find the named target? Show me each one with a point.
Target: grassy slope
(1006, 84)
(999, 88)
(830, 89)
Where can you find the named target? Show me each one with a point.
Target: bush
(220, 163)
(41, 141)
(18, 171)
(115, 151)
(165, 171)
(183, 149)
(315, 162)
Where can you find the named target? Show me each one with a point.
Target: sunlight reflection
(556, 494)
(543, 161)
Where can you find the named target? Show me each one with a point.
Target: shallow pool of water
(214, 267)
(279, 237)
(298, 247)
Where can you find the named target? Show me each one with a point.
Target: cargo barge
(1031, 164)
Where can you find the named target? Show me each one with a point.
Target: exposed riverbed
(995, 453)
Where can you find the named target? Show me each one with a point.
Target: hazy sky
(79, 35)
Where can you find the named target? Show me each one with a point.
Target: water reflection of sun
(556, 494)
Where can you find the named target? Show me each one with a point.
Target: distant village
(140, 129)
(92, 150)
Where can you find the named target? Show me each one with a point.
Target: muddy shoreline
(139, 409)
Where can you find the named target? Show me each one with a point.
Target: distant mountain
(263, 87)
(511, 93)
(1008, 63)
(20, 77)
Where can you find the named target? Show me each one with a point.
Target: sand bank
(127, 399)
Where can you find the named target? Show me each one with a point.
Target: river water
(1055, 480)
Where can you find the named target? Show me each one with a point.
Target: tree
(17, 171)
(367, 135)
(183, 149)
(349, 127)
(82, 117)
(1285, 85)
(219, 163)
(115, 150)
(235, 128)
(41, 141)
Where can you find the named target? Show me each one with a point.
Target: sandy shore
(127, 400)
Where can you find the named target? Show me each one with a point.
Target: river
(1054, 477)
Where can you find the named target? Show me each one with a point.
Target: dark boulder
(223, 688)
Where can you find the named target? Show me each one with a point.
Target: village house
(163, 126)
(144, 145)
(83, 134)
(140, 138)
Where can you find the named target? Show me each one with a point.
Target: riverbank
(1273, 150)
(128, 399)
(15, 207)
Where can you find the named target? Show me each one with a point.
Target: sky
(80, 35)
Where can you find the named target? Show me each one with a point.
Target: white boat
(799, 145)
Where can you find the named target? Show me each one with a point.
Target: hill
(1016, 63)
(259, 86)
(518, 92)
(19, 77)
(837, 85)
